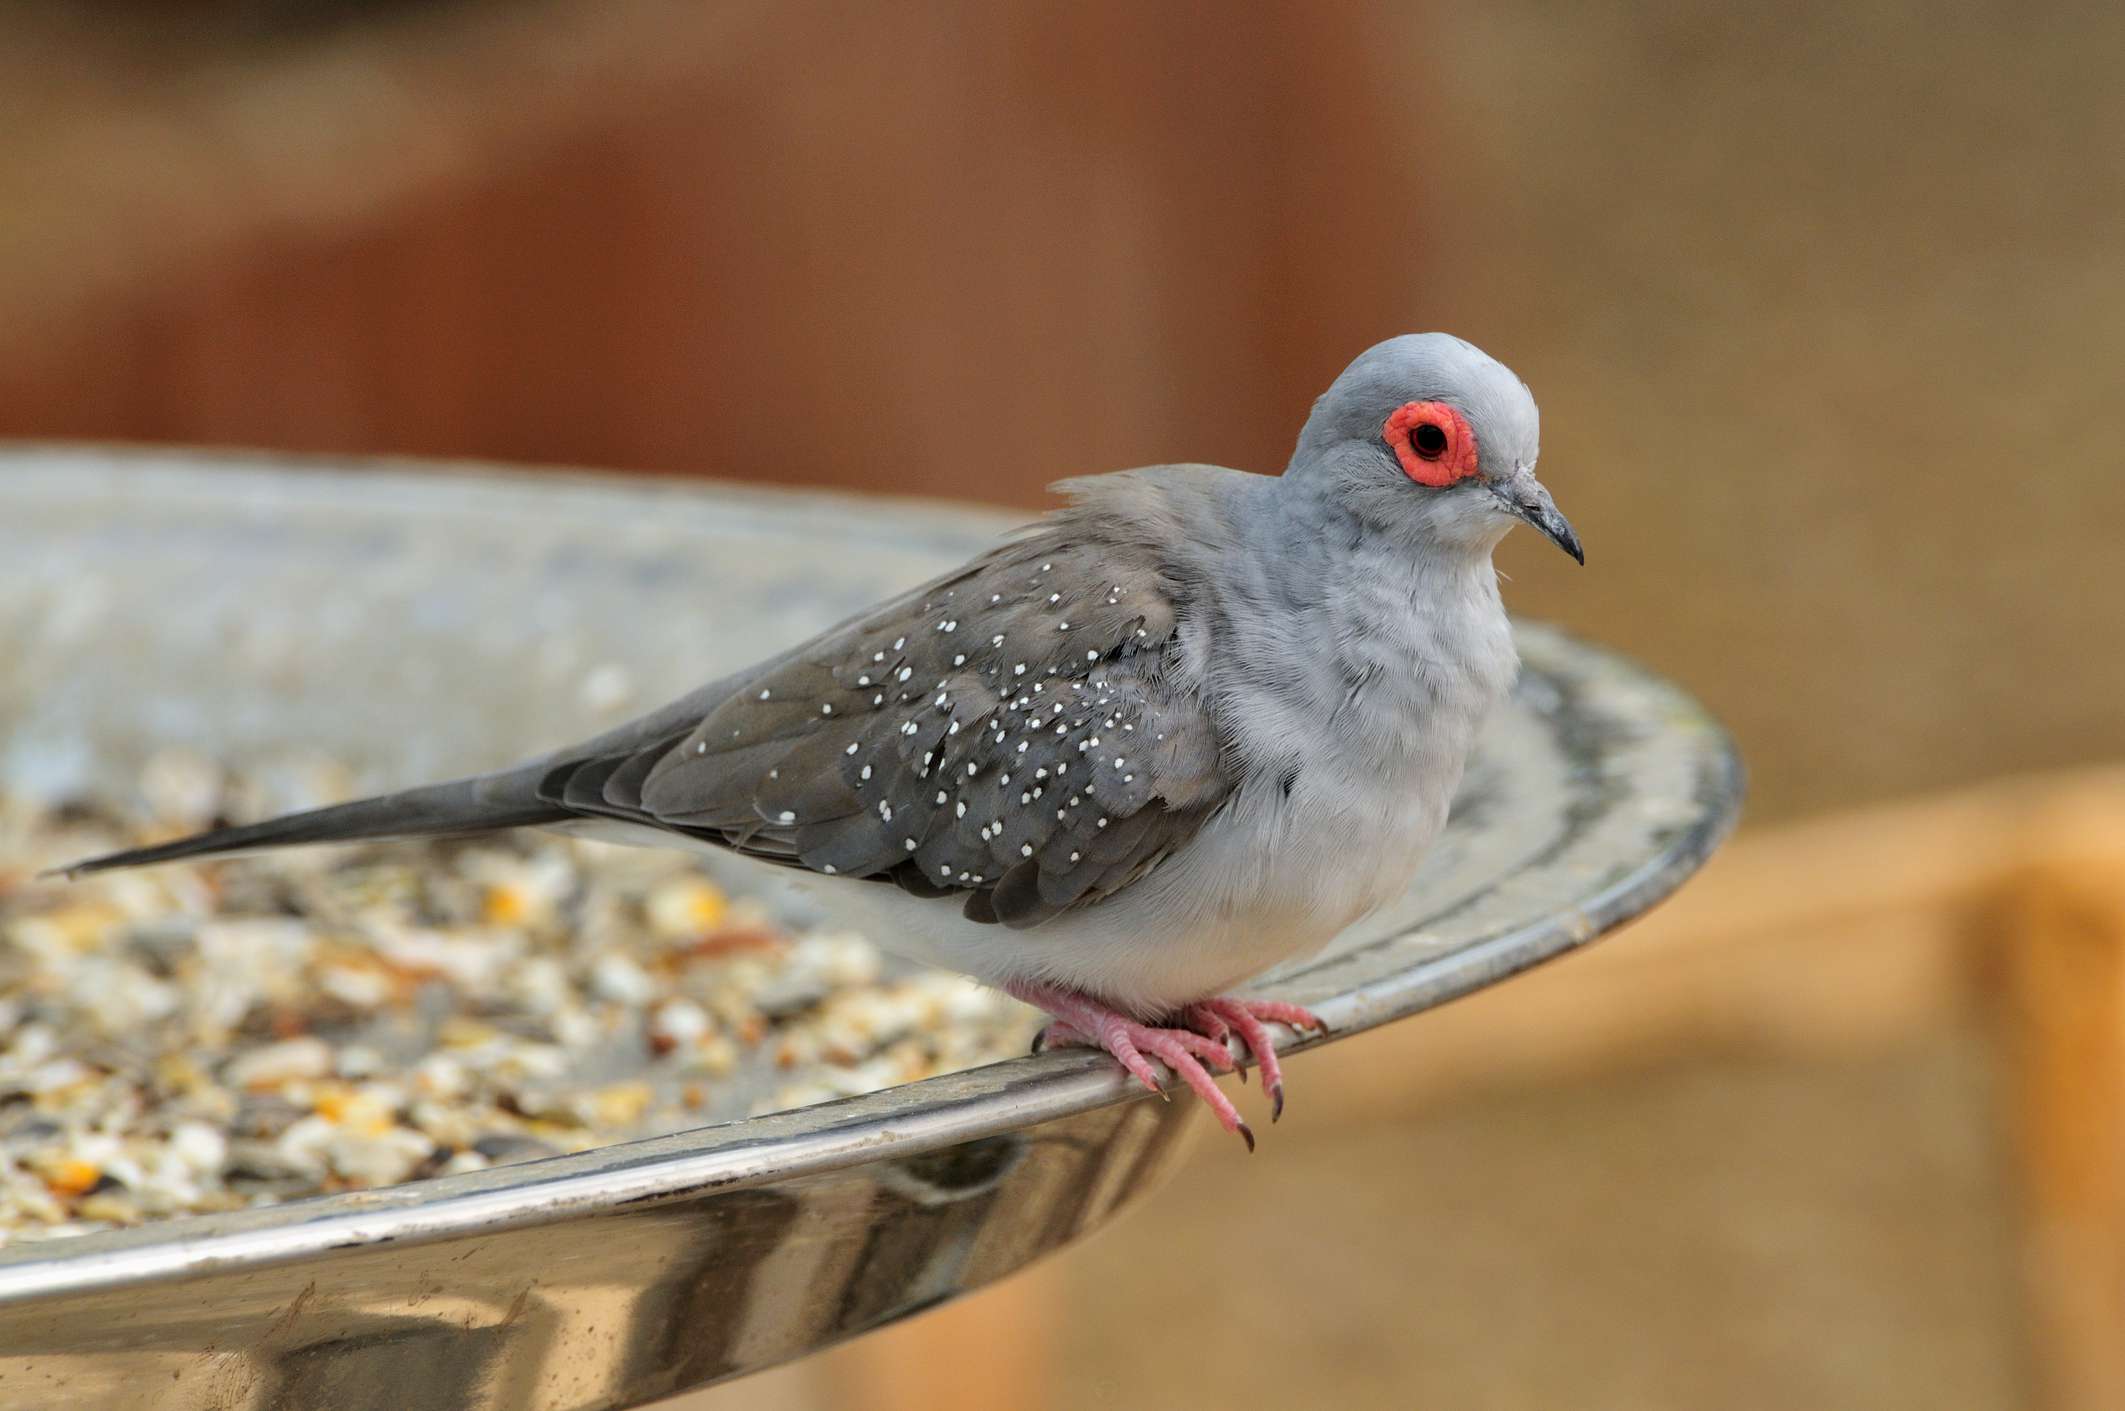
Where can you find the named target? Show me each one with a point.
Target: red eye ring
(1433, 442)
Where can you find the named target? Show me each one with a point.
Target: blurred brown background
(1825, 307)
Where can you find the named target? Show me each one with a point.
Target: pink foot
(1220, 1017)
(1194, 1048)
(1193, 1058)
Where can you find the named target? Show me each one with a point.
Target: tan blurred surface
(1824, 305)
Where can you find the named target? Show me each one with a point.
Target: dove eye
(1433, 442)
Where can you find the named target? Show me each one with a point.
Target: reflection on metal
(424, 623)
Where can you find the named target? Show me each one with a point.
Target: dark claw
(1040, 1040)
(1247, 1136)
(1276, 1102)
(1240, 1069)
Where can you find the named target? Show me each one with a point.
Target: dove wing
(1010, 733)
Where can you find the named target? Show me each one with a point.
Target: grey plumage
(978, 737)
(1190, 724)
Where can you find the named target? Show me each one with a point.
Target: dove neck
(1331, 551)
(1342, 649)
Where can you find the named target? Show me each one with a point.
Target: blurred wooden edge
(1830, 937)
(2061, 1035)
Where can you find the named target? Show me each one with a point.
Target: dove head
(1429, 437)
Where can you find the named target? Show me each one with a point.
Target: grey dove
(1190, 725)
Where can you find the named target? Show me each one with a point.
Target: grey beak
(1524, 498)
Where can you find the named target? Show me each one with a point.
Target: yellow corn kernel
(72, 1177)
(622, 1104)
(687, 908)
(504, 906)
(332, 1103)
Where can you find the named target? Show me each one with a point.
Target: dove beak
(1523, 497)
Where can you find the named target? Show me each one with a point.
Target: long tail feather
(476, 805)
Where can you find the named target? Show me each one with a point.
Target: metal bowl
(423, 621)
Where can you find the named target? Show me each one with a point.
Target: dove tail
(476, 805)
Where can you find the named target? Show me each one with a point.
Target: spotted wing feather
(1010, 734)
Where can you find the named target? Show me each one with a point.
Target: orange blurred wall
(955, 249)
